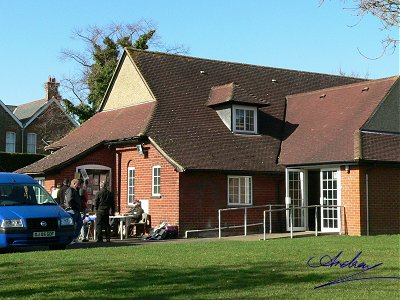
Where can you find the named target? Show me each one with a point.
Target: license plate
(44, 234)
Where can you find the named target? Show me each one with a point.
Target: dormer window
(244, 119)
(236, 107)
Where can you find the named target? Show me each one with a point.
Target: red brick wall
(383, 195)
(203, 193)
(384, 200)
(8, 124)
(191, 200)
(161, 209)
(102, 156)
(352, 200)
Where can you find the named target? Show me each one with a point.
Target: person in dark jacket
(74, 203)
(61, 194)
(136, 212)
(104, 205)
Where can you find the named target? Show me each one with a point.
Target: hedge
(10, 162)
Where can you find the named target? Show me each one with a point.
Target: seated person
(136, 212)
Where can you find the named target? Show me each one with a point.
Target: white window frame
(245, 108)
(31, 147)
(10, 145)
(248, 197)
(156, 186)
(42, 182)
(130, 196)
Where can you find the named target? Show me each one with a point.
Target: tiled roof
(193, 135)
(321, 125)
(181, 123)
(25, 111)
(232, 93)
(380, 146)
(11, 107)
(104, 126)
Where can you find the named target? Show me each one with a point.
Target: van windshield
(24, 194)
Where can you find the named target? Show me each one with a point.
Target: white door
(295, 197)
(330, 195)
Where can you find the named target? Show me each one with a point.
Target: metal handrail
(291, 210)
(245, 217)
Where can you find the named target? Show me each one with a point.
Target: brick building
(350, 154)
(30, 127)
(189, 136)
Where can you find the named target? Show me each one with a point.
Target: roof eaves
(176, 165)
(74, 158)
(11, 114)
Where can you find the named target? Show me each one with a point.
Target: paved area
(116, 242)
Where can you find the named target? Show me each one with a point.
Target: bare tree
(388, 12)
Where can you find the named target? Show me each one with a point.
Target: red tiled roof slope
(380, 146)
(104, 126)
(232, 92)
(192, 133)
(323, 123)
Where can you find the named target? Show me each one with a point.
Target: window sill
(239, 205)
(156, 197)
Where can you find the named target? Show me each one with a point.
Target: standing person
(55, 192)
(104, 203)
(84, 197)
(74, 203)
(61, 193)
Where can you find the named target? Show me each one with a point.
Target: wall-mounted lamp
(140, 149)
(347, 168)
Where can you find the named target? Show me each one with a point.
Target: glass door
(330, 195)
(295, 198)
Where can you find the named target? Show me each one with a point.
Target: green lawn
(273, 269)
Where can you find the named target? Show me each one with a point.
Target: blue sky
(290, 34)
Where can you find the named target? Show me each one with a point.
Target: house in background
(29, 127)
(189, 136)
(345, 151)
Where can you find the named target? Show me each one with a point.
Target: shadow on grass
(159, 280)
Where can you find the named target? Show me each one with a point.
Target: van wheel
(57, 247)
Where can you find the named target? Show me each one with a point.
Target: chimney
(52, 89)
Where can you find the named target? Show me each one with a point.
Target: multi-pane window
(156, 183)
(245, 119)
(330, 215)
(40, 196)
(10, 141)
(240, 190)
(31, 143)
(131, 185)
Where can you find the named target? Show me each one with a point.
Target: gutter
(367, 194)
(22, 140)
(367, 200)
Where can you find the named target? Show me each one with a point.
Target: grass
(273, 269)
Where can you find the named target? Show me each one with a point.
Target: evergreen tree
(96, 76)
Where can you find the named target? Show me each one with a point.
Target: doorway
(314, 197)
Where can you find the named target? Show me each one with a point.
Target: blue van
(29, 216)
